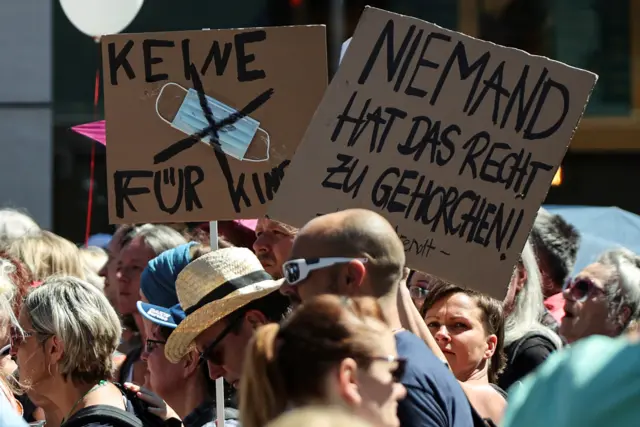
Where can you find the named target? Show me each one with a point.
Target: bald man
(356, 253)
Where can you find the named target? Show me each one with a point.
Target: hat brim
(156, 314)
(182, 338)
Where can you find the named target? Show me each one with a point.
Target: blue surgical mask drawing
(234, 139)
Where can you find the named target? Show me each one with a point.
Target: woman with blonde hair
(68, 333)
(15, 224)
(93, 259)
(15, 281)
(45, 254)
(8, 291)
(331, 351)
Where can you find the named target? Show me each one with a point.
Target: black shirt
(74, 422)
(524, 356)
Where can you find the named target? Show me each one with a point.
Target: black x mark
(213, 128)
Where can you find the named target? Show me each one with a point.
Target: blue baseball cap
(158, 280)
(162, 316)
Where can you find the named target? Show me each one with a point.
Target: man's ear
(191, 363)
(623, 317)
(256, 318)
(355, 275)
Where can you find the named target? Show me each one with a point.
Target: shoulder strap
(476, 418)
(104, 414)
(132, 357)
(499, 390)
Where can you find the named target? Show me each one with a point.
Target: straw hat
(212, 287)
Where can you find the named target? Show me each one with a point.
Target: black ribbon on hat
(228, 287)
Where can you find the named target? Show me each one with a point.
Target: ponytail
(262, 397)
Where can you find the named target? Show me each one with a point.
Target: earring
(49, 370)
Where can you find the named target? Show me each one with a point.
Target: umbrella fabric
(93, 130)
(601, 228)
(249, 224)
(100, 240)
(343, 49)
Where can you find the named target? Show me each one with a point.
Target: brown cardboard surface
(234, 67)
(443, 134)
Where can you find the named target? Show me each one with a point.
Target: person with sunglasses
(64, 342)
(184, 386)
(8, 321)
(226, 295)
(604, 298)
(357, 252)
(331, 350)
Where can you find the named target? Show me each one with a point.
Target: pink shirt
(555, 305)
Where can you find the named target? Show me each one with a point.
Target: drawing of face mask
(234, 139)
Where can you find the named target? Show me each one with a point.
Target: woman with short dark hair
(469, 329)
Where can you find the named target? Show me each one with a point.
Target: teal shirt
(594, 383)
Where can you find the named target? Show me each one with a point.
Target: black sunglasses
(581, 288)
(152, 344)
(208, 354)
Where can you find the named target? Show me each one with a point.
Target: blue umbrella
(100, 240)
(601, 228)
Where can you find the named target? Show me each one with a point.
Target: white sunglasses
(296, 270)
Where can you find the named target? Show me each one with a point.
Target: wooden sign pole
(213, 242)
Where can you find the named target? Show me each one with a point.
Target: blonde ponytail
(8, 293)
(262, 397)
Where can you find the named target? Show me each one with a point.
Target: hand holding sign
(170, 97)
(454, 140)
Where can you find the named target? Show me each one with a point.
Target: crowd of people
(322, 325)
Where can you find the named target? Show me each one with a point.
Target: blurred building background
(47, 76)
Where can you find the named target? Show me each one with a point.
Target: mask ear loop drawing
(158, 101)
(265, 138)
(267, 142)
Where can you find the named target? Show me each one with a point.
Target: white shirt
(8, 416)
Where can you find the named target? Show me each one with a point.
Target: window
(598, 35)
(589, 34)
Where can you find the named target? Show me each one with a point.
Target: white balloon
(98, 18)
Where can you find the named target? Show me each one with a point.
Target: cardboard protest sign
(454, 140)
(201, 125)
